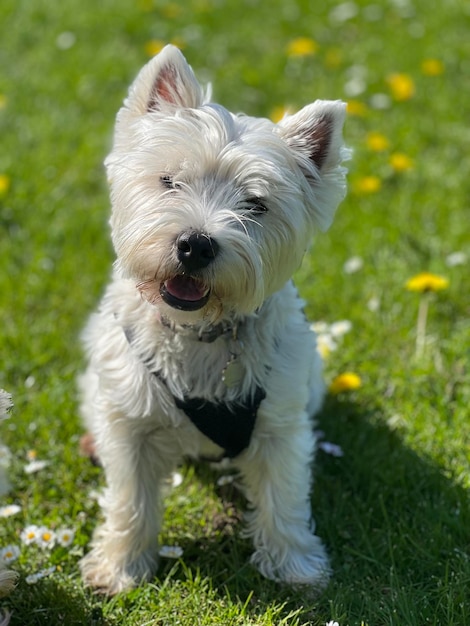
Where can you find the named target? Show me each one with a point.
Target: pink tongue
(185, 288)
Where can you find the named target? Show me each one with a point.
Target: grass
(394, 510)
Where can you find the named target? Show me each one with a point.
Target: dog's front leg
(277, 474)
(124, 548)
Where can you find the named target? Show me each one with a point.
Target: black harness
(229, 425)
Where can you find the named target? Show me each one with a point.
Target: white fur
(217, 163)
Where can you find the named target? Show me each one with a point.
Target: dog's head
(213, 212)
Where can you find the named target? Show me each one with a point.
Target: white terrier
(200, 346)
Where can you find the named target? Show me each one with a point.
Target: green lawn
(394, 509)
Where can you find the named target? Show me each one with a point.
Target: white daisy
(353, 265)
(171, 552)
(456, 258)
(33, 578)
(30, 534)
(338, 329)
(8, 554)
(35, 466)
(65, 537)
(46, 537)
(9, 510)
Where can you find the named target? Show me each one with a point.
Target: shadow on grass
(395, 526)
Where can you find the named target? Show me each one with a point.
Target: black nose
(196, 250)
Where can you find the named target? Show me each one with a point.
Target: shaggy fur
(211, 215)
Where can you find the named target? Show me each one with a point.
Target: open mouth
(184, 293)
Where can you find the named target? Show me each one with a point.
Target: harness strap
(229, 426)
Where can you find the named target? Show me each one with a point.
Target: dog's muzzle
(184, 293)
(195, 251)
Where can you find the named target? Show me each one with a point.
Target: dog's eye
(167, 182)
(256, 206)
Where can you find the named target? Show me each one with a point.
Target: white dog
(200, 346)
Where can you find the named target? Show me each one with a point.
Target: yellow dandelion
(3, 101)
(401, 162)
(4, 184)
(425, 282)
(345, 382)
(153, 47)
(368, 184)
(357, 108)
(333, 58)
(432, 67)
(377, 142)
(278, 113)
(301, 47)
(402, 86)
(172, 10)
(145, 5)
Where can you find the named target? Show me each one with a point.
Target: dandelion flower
(9, 554)
(401, 162)
(30, 534)
(426, 282)
(278, 113)
(345, 382)
(368, 185)
(4, 184)
(65, 537)
(432, 67)
(9, 510)
(333, 58)
(3, 101)
(153, 47)
(401, 86)
(377, 142)
(46, 537)
(301, 47)
(356, 108)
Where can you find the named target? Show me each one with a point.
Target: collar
(205, 334)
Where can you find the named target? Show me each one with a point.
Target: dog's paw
(110, 577)
(296, 567)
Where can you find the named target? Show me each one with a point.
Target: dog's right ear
(165, 83)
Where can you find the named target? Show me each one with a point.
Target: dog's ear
(166, 82)
(315, 132)
(315, 136)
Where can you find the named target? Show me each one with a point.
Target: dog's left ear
(315, 132)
